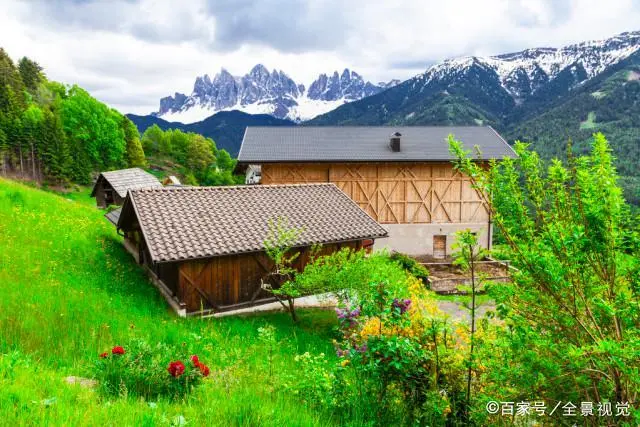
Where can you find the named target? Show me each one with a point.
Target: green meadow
(69, 291)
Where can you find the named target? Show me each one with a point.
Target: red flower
(204, 369)
(104, 355)
(176, 368)
(195, 360)
(117, 350)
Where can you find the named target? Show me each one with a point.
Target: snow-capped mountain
(264, 92)
(489, 89)
(523, 73)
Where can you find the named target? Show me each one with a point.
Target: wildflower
(195, 360)
(104, 355)
(402, 305)
(176, 368)
(340, 352)
(344, 363)
(361, 348)
(117, 350)
(204, 369)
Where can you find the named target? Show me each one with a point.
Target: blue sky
(129, 53)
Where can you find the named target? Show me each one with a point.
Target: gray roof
(127, 179)
(114, 216)
(364, 143)
(202, 222)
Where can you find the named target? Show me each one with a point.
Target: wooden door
(440, 246)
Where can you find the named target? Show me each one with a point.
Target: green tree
(467, 254)
(56, 149)
(97, 140)
(4, 147)
(11, 85)
(278, 245)
(135, 154)
(32, 120)
(31, 74)
(573, 306)
(199, 156)
(152, 139)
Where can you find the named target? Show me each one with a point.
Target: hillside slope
(609, 104)
(70, 292)
(226, 128)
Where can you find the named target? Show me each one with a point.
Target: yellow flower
(344, 363)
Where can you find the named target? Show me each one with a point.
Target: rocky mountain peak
(273, 92)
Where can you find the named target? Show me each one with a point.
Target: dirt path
(458, 312)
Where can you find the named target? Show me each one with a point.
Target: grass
(590, 123)
(70, 291)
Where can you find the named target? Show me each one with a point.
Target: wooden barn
(204, 246)
(111, 187)
(401, 176)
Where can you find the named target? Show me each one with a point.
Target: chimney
(394, 142)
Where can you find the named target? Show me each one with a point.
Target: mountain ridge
(261, 91)
(502, 86)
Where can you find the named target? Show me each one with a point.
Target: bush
(412, 266)
(346, 272)
(399, 361)
(142, 370)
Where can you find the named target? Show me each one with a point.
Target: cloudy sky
(129, 53)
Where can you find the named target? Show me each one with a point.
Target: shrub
(412, 266)
(399, 361)
(140, 369)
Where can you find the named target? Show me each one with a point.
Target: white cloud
(131, 53)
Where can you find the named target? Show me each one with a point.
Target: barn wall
(393, 193)
(226, 281)
(413, 201)
(100, 193)
(418, 239)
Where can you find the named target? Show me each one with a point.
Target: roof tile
(364, 143)
(202, 222)
(130, 179)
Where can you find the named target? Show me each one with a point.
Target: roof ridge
(363, 126)
(229, 187)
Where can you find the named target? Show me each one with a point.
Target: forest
(58, 134)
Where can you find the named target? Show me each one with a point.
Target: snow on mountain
(264, 92)
(522, 73)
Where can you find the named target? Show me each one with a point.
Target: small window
(440, 246)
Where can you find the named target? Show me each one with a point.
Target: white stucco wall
(417, 239)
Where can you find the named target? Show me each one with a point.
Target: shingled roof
(364, 143)
(127, 179)
(202, 222)
(114, 216)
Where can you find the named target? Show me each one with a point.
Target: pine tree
(31, 74)
(11, 85)
(56, 149)
(4, 147)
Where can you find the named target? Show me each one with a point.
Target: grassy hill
(70, 291)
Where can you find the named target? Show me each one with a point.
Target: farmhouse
(204, 246)
(111, 187)
(401, 176)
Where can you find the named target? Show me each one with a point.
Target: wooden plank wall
(393, 193)
(228, 280)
